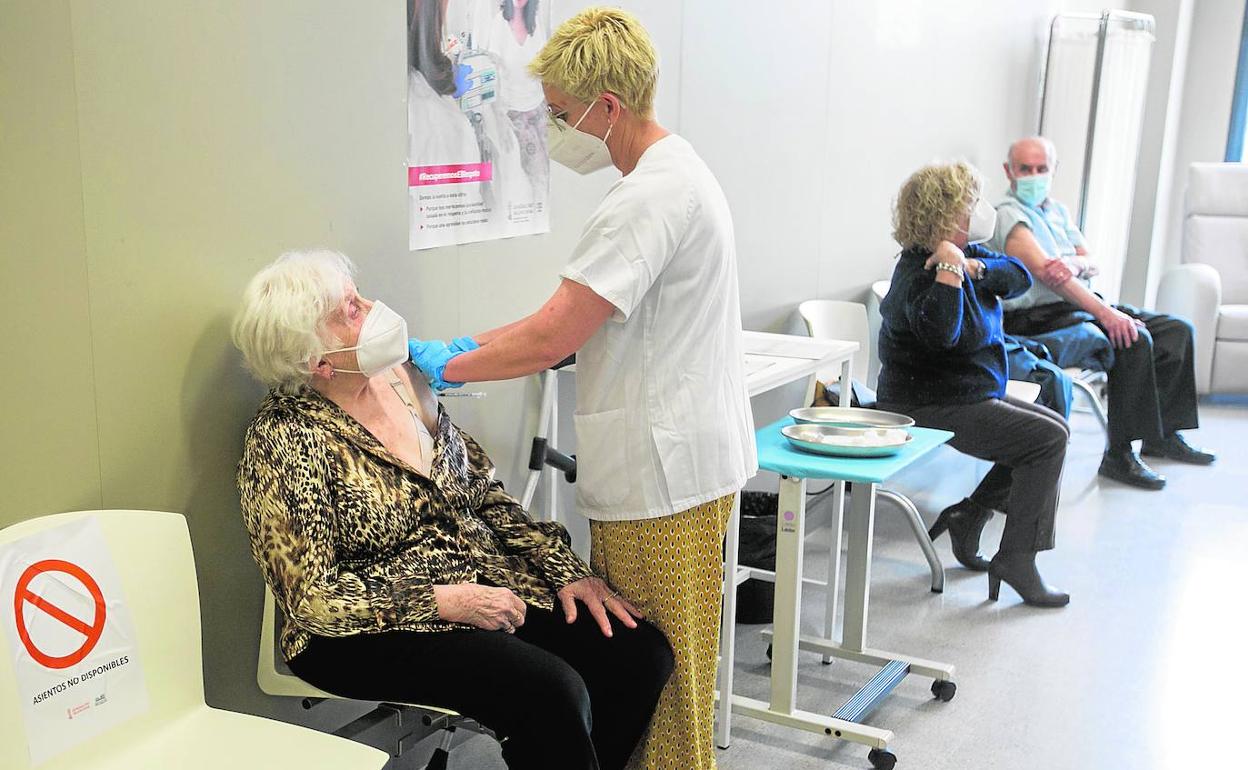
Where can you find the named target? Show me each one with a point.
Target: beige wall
(154, 159)
(50, 457)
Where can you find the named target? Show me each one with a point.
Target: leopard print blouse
(352, 539)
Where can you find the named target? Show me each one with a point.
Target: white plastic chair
(276, 678)
(152, 552)
(834, 319)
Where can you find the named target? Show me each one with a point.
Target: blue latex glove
(462, 80)
(431, 357)
(463, 344)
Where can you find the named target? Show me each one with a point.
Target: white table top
(772, 360)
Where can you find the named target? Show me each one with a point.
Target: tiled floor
(1141, 671)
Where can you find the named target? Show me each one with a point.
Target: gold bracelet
(955, 269)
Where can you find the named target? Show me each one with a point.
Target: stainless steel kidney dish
(850, 417)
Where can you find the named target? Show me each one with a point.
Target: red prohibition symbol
(91, 631)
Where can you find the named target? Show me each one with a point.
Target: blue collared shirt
(1054, 230)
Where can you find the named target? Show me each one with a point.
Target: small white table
(782, 706)
(771, 360)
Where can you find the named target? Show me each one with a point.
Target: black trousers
(559, 695)
(1152, 385)
(1027, 444)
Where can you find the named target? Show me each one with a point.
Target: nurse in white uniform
(649, 302)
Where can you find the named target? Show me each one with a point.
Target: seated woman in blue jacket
(943, 362)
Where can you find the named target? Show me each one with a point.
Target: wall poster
(477, 162)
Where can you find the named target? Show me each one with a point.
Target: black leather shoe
(965, 521)
(1019, 571)
(1126, 466)
(1175, 447)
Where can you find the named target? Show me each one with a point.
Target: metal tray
(806, 438)
(850, 417)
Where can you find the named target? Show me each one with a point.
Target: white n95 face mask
(983, 222)
(382, 343)
(569, 146)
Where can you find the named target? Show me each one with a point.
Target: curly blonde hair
(931, 202)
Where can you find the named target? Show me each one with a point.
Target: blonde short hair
(931, 202)
(600, 50)
(280, 327)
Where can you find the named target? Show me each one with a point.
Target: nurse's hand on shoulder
(488, 607)
(599, 598)
(431, 357)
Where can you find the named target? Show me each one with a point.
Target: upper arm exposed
(1022, 245)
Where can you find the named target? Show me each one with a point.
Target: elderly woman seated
(943, 362)
(405, 571)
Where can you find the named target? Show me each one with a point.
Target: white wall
(1158, 140)
(814, 114)
(1208, 82)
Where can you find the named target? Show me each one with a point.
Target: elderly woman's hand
(599, 597)
(488, 607)
(947, 253)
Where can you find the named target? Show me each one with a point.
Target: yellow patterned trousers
(672, 569)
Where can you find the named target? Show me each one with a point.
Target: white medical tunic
(663, 418)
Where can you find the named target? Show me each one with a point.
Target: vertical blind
(1092, 108)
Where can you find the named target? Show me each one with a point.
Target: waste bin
(756, 598)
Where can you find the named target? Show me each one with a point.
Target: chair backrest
(152, 553)
(879, 290)
(1215, 227)
(837, 320)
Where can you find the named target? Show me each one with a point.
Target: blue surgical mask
(1033, 190)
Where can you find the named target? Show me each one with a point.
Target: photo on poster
(477, 162)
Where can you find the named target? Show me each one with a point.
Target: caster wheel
(769, 652)
(882, 759)
(944, 690)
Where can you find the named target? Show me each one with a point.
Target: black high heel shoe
(965, 522)
(1018, 569)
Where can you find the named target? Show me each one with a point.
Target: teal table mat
(777, 455)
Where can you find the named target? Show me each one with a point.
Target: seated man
(1148, 356)
(405, 571)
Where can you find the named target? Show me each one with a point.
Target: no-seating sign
(90, 629)
(71, 640)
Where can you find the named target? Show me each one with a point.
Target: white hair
(1050, 151)
(280, 327)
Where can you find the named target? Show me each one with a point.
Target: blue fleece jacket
(943, 344)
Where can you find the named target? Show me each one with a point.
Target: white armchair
(1210, 287)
